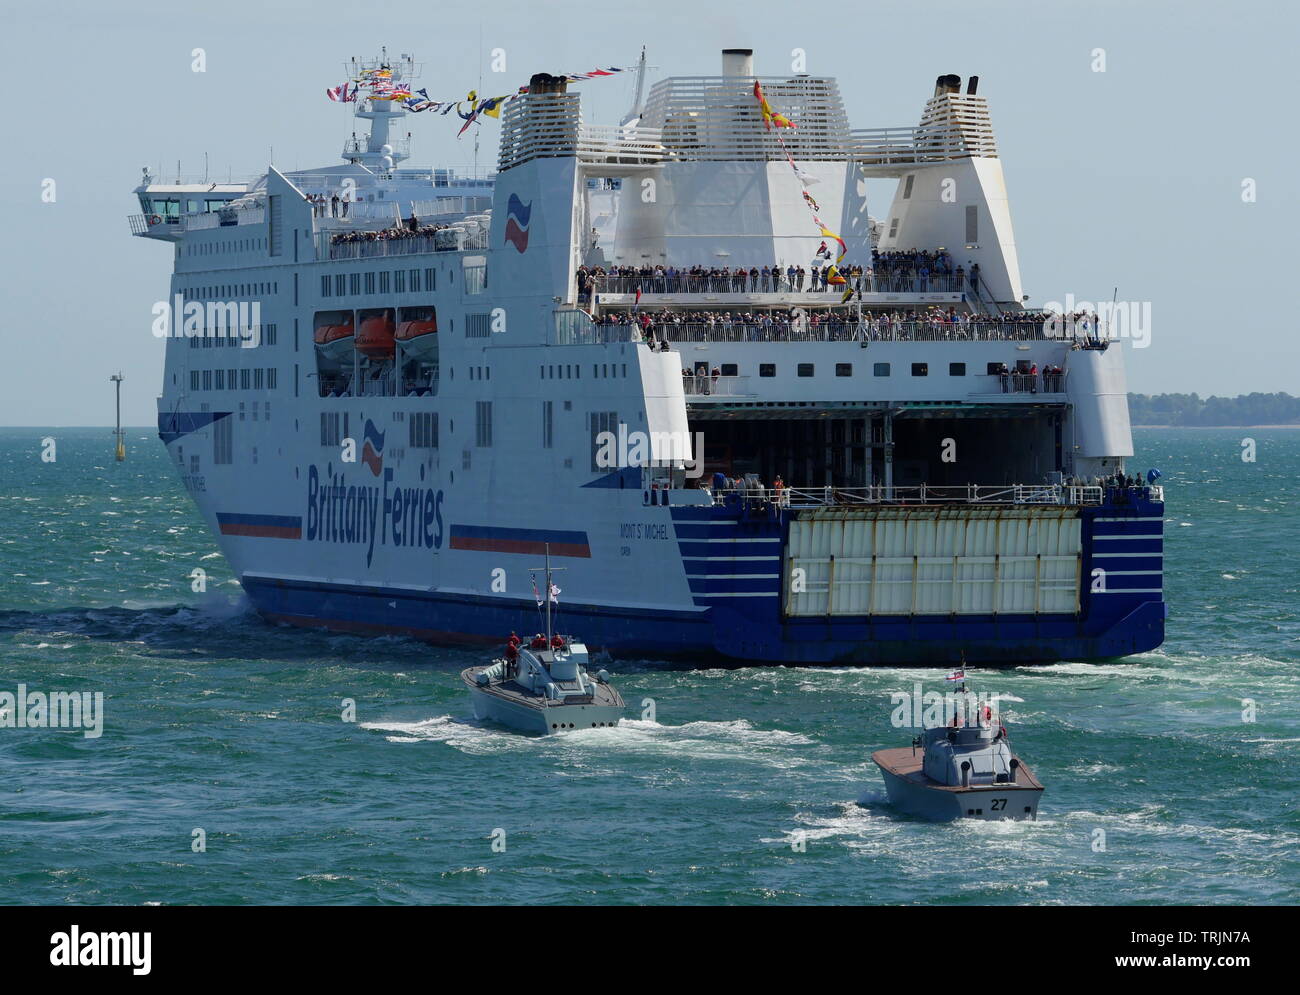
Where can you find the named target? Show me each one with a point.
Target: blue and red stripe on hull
(494, 539)
(260, 526)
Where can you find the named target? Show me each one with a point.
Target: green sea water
(1171, 776)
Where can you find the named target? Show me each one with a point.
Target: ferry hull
(865, 641)
(749, 620)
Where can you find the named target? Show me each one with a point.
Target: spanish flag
(827, 233)
(770, 117)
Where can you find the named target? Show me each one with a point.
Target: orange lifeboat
(334, 341)
(409, 331)
(376, 336)
(418, 337)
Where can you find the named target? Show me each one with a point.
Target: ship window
(218, 379)
(805, 369)
(729, 369)
(994, 369)
(602, 423)
(194, 378)
(354, 283)
(920, 369)
(767, 369)
(483, 424)
(221, 441)
(329, 427)
(338, 285)
(383, 282)
(244, 377)
(548, 424)
(880, 370)
(972, 224)
(475, 274)
(399, 281)
(844, 369)
(207, 379)
(423, 427)
(956, 369)
(893, 227)
(430, 279)
(907, 186)
(370, 283)
(478, 326)
(415, 281)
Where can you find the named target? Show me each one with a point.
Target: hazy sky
(1128, 178)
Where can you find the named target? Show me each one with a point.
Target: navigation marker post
(117, 379)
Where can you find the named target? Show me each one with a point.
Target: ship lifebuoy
(154, 219)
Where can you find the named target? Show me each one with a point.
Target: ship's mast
(635, 112)
(381, 152)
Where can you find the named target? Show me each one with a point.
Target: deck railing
(865, 330)
(446, 240)
(813, 497)
(707, 385)
(779, 283)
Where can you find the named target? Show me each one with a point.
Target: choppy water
(218, 721)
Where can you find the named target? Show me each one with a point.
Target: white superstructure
(448, 373)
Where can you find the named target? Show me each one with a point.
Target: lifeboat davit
(334, 341)
(418, 338)
(376, 337)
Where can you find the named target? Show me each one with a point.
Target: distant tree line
(1192, 409)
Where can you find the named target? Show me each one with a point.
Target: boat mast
(548, 594)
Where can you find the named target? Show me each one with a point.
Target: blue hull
(1128, 618)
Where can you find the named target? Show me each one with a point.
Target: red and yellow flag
(770, 117)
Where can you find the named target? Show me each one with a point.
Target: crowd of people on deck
(410, 228)
(896, 270)
(664, 325)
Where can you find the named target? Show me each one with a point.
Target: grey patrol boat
(544, 687)
(960, 771)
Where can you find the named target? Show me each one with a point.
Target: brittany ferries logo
(517, 216)
(372, 451)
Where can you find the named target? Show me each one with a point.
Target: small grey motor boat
(544, 687)
(960, 772)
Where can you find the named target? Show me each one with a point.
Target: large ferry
(617, 346)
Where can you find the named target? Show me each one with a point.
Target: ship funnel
(737, 62)
(546, 83)
(947, 84)
(972, 85)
